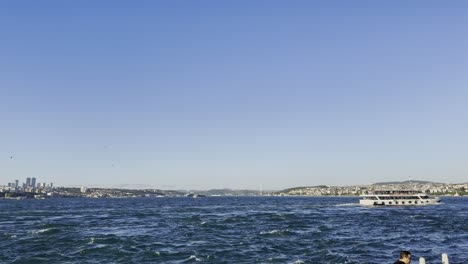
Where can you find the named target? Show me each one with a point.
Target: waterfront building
(16, 183)
(33, 182)
(28, 182)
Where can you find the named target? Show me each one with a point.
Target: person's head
(405, 256)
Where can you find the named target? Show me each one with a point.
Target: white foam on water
(273, 232)
(203, 223)
(194, 257)
(92, 241)
(347, 204)
(44, 230)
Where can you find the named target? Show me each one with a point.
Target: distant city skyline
(241, 95)
(29, 183)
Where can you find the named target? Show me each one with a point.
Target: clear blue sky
(233, 94)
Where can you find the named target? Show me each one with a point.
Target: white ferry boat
(397, 198)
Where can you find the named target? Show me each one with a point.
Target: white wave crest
(193, 257)
(44, 230)
(273, 232)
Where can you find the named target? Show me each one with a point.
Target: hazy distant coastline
(433, 188)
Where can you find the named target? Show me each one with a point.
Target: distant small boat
(194, 195)
(396, 198)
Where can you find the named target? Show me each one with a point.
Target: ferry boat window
(403, 202)
(409, 201)
(415, 202)
(389, 202)
(396, 202)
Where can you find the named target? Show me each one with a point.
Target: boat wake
(346, 204)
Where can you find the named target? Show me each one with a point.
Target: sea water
(228, 230)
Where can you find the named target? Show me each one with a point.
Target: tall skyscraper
(33, 182)
(16, 183)
(28, 182)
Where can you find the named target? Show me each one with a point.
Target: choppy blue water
(228, 230)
